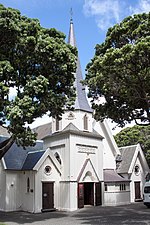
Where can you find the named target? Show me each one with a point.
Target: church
(75, 162)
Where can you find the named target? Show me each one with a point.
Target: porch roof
(17, 157)
(111, 175)
(31, 160)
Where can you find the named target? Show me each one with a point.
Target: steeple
(81, 102)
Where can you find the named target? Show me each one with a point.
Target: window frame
(122, 187)
(57, 156)
(28, 185)
(85, 122)
(57, 124)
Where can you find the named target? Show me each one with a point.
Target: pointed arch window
(57, 156)
(28, 185)
(85, 122)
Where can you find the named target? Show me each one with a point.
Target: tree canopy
(120, 73)
(38, 64)
(134, 135)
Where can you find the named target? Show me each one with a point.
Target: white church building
(75, 163)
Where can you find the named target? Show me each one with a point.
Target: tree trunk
(5, 146)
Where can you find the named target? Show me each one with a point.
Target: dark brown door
(80, 195)
(88, 193)
(137, 190)
(47, 195)
(98, 196)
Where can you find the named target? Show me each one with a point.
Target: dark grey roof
(112, 176)
(32, 159)
(127, 154)
(81, 102)
(16, 156)
(72, 129)
(43, 130)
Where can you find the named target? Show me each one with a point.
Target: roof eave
(79, 133)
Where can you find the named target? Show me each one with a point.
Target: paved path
(133, 214)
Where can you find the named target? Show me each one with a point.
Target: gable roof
(111, 175)
(32, 159)
(16, 156)
(72, 129)
(43, 130)
(48, 154)
(127, 154)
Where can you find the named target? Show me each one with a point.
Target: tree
(120, 72)
(134, 135)
(40, 66)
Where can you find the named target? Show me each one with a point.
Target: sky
(91, 18)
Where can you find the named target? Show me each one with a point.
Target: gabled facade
(81, 154)
(134, 167)
(77, 163)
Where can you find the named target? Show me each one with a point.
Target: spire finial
(71, 14)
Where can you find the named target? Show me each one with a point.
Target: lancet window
(85, 122)
(57, 156)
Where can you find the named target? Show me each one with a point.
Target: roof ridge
(35, 151)
(129, 146)
(69, 126)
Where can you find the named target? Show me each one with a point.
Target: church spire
(71, 37)
(81, 102)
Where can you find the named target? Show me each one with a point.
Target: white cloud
(109, 12)
(96, 7)
(142, 6)
(104, 11)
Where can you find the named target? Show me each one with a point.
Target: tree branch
(5, 146)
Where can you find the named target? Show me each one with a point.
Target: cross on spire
(71, 14)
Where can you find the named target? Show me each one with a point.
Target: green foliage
(40, 66)
(120, 72)
(134, 135)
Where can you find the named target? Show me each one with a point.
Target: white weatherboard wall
(40, 177)
(12, 198)
(60, 144)
(110, 150)
(135, 178)
(27, 197)
(68, 196)
(113, 195)
(15, 196)
(74, 150)
(78, 157)
(77, 119)
(73, 201)
(2, 187)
